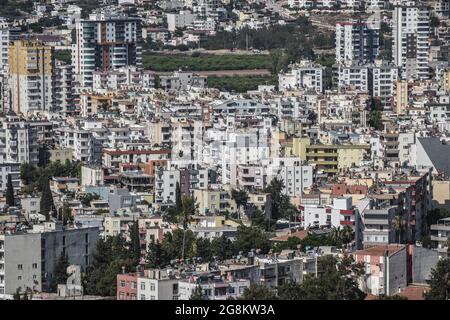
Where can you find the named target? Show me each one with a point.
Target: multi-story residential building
(411, 48)
(122, 78)
(82, 144)
(127, 286)
(31, 70)
(157, 285)
(213, 287)
(63, 98)
(385, 269)
(8, 34)
(165, 186)
(332, 158)
(440, 235)
(105, 42)
(377, 224)
(305, 75)
(10, 169)
(214, 201)
(181, 80)
(353, 76)
(356, 41)
(29, 258)
(340, 214)
(384, 77)
(113, 157)
(295, 175)
(19, 140)
(180, 20)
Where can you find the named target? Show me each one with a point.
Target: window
(34, 265)
(19, 267)
(142, 285)
(19, 278)
(122, 283)
(152, 287)
(143, 297)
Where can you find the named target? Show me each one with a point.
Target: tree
(60, 275)
(222, 247)
(336, 280)
(375, 113)
(197, 294)
(258, 292)
(240, 197)
(16, 295)
(439, 281)
(46, 204)
(178, 200)
(188, 208)
(156, 256)
(10, 201)
(275, 188)
(88, 197)
(109, 259)
(135, 248)
(249, 238)
(399, 226)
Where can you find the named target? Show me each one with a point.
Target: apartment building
(29, 258)
(440, 235)
(31, 70)
(213, 287)
(385, 269)
(305, 75)
(356, 41)
(411, 47)
(105, 42)
(340, 214)
(155, 284)
(122, 78)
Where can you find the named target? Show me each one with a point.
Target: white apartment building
(165, 186)
(411, 48)
(384, 77)
(356, 41)
(306, 75)
(355, 77)
(157, 285)
(296, 177)
(181, 19)
(81, 142)
(123, 77)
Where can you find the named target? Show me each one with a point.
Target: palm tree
(336, 235)
(399, 226)
(241, 198)
(188, 208)
(348, 235)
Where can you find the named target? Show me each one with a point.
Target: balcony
(347, 223)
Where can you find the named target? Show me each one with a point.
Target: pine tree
(60, 275)
(178, 202)
(46, 204)
(135, 242)
(10, 201)
(197, 294)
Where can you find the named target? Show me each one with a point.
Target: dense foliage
(111, 255)
(240, 84)
(204, 62)
(440, 281)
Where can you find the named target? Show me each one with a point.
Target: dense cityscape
(224, 150)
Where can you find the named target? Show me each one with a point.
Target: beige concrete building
(30, 77)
